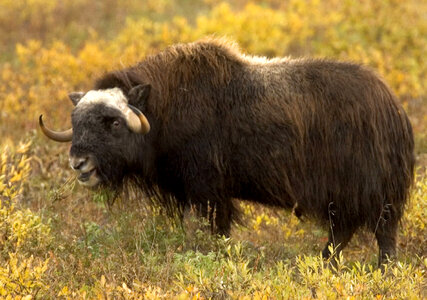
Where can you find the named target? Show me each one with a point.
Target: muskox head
(105, 135)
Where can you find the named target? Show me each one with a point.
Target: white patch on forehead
(111, 97)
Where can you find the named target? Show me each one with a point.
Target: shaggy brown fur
(326, 138)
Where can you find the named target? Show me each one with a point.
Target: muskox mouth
(89, 179)
(86, 176)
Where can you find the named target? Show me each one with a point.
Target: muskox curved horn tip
(58, 136)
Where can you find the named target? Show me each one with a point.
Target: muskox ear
(139, 93)
(75, 97)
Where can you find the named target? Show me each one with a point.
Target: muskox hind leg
(386, 239)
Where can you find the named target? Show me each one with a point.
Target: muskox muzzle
(85, 168)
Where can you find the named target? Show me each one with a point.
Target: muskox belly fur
(325, 138)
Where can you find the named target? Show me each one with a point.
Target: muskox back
(327, 139)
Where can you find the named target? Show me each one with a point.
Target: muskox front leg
(222, 217)
(219, 213)
(339, 236)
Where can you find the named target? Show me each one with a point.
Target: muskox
(201, 124)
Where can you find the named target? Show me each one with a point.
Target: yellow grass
(59, 240)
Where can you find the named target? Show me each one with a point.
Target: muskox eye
(116, 123)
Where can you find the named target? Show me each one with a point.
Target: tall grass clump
(23, 234)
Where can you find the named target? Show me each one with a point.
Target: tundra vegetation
(60, 240)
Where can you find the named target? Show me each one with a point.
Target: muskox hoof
(326, 253)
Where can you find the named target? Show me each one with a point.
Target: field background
(59, 240)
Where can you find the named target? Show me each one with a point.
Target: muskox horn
(59, 136)
(136, 120)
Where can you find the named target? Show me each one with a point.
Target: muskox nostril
(77, 162)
